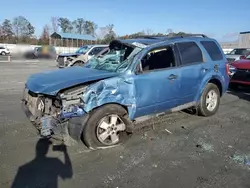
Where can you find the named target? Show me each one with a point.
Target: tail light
(228, 68)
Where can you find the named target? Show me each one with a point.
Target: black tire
(3, 53)
(89, 134)
(202, 107)
(233, 86)
(78, 63)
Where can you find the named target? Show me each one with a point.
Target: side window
(190, 53)
(1, 48)
(159, 58)
(213, 50)
(96, 50)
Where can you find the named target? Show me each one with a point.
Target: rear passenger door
(216, 62)
(192, 70)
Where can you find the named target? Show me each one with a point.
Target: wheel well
(77, 61)
(217, 83)
(125, 107)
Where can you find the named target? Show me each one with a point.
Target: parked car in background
(86, 52)
(30, 54)
(101, 101)
(240, 73)
(4, 51)
(237, 54)
(81, 60)
(106, 54)
(41, 52)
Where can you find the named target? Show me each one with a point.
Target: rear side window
(190, 53)
(213, 50)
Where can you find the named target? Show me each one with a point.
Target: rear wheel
(107, 126)
(78, 63)
(210, 100)
(3, 53)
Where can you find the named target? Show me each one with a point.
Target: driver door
(157, 83)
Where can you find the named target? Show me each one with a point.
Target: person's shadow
(43, 171)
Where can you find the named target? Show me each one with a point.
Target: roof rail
(151, 36)
(170, 37)
(193, 35)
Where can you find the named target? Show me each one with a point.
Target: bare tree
(110, 33)
(102, 32)
(44, 38)
(170, 32)
(46, 32)
(149, 32)
(54, 24)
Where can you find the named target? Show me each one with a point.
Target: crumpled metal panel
(118, 90)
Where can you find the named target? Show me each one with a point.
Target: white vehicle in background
(81, 56)
(4, 51)
(237, 54)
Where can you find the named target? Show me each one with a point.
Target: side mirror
(242, 57)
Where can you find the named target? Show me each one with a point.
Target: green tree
(6, 33)
(89, 28)
(65, 24)
(30, 30)
(79, 25)
(7, 28)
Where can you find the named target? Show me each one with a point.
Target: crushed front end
(50, 115)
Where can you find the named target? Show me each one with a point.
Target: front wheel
(78, 63)
(3, 53)
(107, 126)
(210, 100)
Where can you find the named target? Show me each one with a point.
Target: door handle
(172, 77)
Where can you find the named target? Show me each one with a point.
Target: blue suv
(101, 102)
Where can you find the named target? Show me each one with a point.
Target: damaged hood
(51, 82)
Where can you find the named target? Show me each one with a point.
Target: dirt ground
(177, 150)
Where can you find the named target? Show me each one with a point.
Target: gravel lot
(200, 152)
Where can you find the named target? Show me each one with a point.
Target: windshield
(248, 56)
(116, 60)
(82, 50)
(239, 52)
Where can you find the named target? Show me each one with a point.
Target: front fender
(119, 90)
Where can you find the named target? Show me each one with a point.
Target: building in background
(244, 39)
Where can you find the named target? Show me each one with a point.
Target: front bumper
(241, 76)
(240, 82)
(55, 127)
(68, 131)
